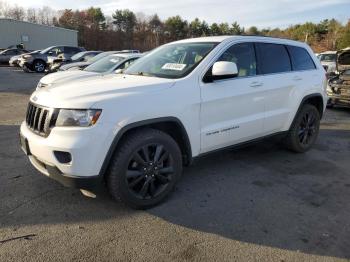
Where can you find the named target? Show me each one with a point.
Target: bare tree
(32, 15)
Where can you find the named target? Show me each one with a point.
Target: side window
(127, 64)
(88, 57)
(10, 52)
(71, 50)
(301, 59)
(244, 56)
(57, 50)
(272, 58)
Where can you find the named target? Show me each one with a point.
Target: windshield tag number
(174, 66)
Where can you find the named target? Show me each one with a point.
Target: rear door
(232, 110)
(280, 84)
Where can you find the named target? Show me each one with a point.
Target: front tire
(304, 130)
(39, 66)
(145, 168)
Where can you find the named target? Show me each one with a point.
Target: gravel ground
(260, 203)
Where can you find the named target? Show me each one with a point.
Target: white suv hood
(86, 92)
(65, 76)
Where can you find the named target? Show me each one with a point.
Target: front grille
(40, 119)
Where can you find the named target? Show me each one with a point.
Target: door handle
(256, 84)
(297, 78)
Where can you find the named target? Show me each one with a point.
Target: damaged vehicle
(338, 89)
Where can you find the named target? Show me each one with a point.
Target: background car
(6, 55)
(338, 89)
(38, 61)
(82, 65)
(56, 63)
(106, 65)
(328, 60)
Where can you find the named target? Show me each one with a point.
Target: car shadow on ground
(260, 194)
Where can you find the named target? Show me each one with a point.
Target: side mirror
(118, 71)
(50, 53)
(224, 70)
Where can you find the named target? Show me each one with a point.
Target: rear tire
(304, 130)
(144, 169)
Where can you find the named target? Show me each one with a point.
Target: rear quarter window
(272, 58)
(301, 60)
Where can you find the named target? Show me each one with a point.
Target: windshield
(104, 64)
(327, 57)
(99, 56)
(78, 56)
(46, 50)
(171, 61)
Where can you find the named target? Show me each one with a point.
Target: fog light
(63, 157)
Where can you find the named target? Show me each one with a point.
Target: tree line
(125, 29)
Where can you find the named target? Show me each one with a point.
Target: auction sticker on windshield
(174, 66)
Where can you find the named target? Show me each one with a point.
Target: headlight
(73, 117)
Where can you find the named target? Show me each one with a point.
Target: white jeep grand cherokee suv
(133, 132)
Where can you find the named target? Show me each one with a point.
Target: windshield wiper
(140, 73)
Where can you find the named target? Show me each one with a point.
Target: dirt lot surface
(260, 203)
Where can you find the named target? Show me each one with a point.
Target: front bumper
(87, 147)
(93, 184)
(338, 99)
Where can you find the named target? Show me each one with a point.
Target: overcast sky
(261, 13)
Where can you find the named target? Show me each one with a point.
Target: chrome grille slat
(31, 116)
(38, 119)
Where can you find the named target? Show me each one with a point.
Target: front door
(232, 110)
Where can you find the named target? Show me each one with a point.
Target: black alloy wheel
(307, 128)
(145, 168)
(150, 171)
(304, 130)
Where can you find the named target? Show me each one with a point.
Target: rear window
(301, 59)
(272, 58)
(344, 58)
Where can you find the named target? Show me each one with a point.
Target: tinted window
(301, 59)
(71, 50)
(344, 58)
(244, 57)
(11, 52)
(272, 58)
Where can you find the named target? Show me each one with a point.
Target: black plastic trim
(141, 124)
(303, 102)
(244, 144)
(93, 183)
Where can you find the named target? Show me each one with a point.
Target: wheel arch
(170, 125)
(39, 59)
(315, 99)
